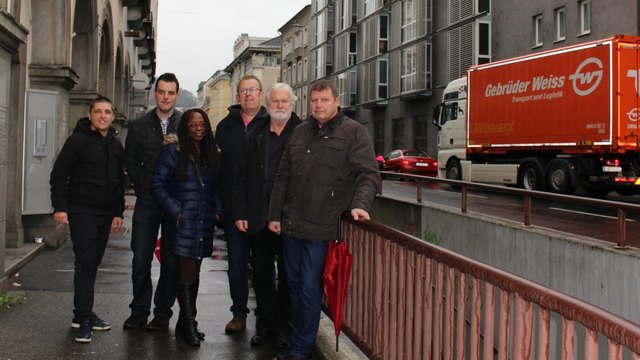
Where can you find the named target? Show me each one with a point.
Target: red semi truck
(554, 120)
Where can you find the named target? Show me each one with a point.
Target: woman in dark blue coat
(185, 184)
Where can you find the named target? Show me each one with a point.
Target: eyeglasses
(196, 125)
(249, 91)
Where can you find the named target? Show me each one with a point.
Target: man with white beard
(254, 177)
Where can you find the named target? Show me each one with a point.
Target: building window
(384, 34)
(398, 133)
(537, 30)
(383, 82)
(329, 59)
(409, 20)
(320, 29)
(560, 23)
(484, 43)
(294, 76)
(378, 135)
(484, 6)
(585, 16)
(305, 69)
(408, 70)
(420, 126)
(369, 5)
(353, 48)
(353, 85)
(319, 60)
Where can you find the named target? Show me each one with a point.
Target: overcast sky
(195, 37)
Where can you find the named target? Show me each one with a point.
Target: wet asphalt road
(38, 327)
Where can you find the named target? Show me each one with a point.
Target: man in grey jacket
(328, 167)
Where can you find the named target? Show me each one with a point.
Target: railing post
(463, 206)
(419, 190)
(622, 229)
(527, 209)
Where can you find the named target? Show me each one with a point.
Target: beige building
(221, 96)
(255, 56)
(55, 57)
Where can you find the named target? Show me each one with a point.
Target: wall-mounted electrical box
(39, 150)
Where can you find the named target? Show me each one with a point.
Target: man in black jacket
(254, 177)
(242, 118)
(327, 168)
(87, 192)
(142, 149)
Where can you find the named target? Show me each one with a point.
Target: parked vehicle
(415, 162)
(553, 120)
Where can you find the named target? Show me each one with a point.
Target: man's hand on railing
(359, 214)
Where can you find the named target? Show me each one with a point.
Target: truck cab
(450, 119)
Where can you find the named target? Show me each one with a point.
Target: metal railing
(409, 299)
(528, 195)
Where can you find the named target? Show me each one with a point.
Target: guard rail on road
(528, 196)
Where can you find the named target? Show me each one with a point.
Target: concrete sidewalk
(38, 326)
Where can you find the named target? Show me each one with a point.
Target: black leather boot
(188, 329)
(180, 325)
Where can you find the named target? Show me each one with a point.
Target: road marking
(587, 213)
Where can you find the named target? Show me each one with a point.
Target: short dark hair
(169, 77)
(100, 99)
(248, 77)
(323, 85)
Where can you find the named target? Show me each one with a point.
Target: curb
(326, 343)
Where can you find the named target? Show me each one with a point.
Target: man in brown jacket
(328, 167)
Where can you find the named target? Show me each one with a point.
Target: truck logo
(591, 78)
(633, 115)
(636, 79)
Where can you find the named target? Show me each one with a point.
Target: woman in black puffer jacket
(185, 184)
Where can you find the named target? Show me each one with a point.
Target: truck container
(556, 120)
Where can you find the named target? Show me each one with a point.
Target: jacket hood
(170, 139)
(84, 126)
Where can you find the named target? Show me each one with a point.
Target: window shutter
(394, 74)
(395, 26)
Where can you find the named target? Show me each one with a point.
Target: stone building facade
(61, 53)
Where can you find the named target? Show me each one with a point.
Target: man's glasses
(249, 91)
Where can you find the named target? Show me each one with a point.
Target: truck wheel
(559, 177)
(454, 171)
(531, 176)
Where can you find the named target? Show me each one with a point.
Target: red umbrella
(337, 269)
(157, 250)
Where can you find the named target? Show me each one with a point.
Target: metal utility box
(39, 150)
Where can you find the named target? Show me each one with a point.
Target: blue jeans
(238, 259)
(146, 221)
(304, 264)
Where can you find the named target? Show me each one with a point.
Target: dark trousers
(89, 235)
(304, 262)
(146, 221)
(237, 257)
(272, 298)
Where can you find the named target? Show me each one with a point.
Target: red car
(415, 162)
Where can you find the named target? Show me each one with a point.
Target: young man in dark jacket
(242, 118)
(327, 168)
(254, 177)
(87, 192)
(142, 149)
